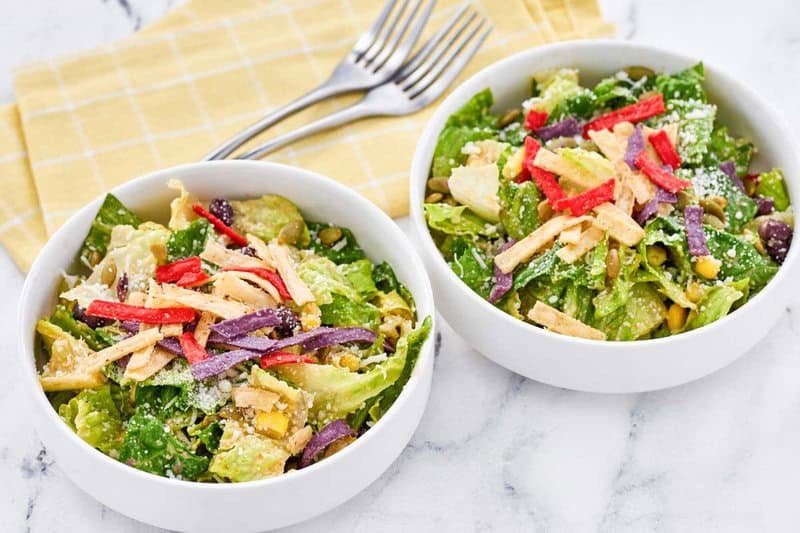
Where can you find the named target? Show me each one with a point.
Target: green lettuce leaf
(151, 447)
(722, 147)
(582, 106)
(112, 213)
(408, 348)
(346, 250)
(772, 185)
(386, 281)
(247, 456)
(706, 182)
(615, 297)
(716, 303)
(338, 392)
(642, 313)
(695, 126)
(555, 87)
(519, 203)
(93, 415)
(324, 279)
(473, 266)
(542, 265)
(685, 85)
(343, 312)
(189, 241)
(620, 90)
(359, 273)
(457, 220)
(96, 339)
(473, 122)
(265, 217)
(740, 259)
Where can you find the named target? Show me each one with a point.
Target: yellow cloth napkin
(87, 122)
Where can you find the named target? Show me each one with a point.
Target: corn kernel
(676, 317)
(272, 424)
(707, 266)
(694, 292)
(656, 255)
(350, 362)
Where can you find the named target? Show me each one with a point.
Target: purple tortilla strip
(729, 168)
(635, 145)
(218, 364)
(326, 436)
(502, 282)
(240, 326)
(569, 127)
(693, 222)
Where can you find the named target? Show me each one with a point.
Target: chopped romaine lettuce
(342, 312)
(772, 185)
(457, 220)
(620, 90)
(642, 312)
(740, 259)
(247, 456)
(716, 303)
(345, 250)
(112, 213)
(476, 113)
(476, 187)
(93, 415)
(591, 162)
(151, 447)
(96, 339)
(708, 182)
(359, 273)
(695, 125)
(543, 265)
(189, 241)
(386, 281)
(685, 85)
(265, 217)
(518, 208)
(324, 279)
(722, 147)
(473, 266)
(473, 122)
(555, 87)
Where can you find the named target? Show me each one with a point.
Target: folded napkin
(87, 122)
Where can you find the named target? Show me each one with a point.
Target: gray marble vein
(496, 452)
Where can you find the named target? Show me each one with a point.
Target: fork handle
(357, 111)
(324, 91)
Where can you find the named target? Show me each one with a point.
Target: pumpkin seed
(637, 72)
(433, 198)
(439, 184)
(291, 232)
(510, 116)
(329, 236)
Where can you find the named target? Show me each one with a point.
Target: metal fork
(418, 83)
(374, 59)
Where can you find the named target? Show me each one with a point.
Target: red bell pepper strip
(535, 120)
(631, 113)
(148, 315)
(584, 202)
(193, 279)
(664, 148)
(172, 272)
(273, 277)
(283, 358)
(192, 351)
(663, 178)
(531, 148)
(219, 225)
(544, 179)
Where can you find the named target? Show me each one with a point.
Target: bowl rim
(425, 295)
(420, 171)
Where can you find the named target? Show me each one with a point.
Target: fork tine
(437, 55)
(398, 34)
(400, 53)
(423, 53)
(368, 37)
(447, 70)
(380, 43)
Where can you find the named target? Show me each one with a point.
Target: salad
(622, 211)
(237, 343)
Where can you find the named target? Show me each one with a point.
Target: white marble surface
(496, 452)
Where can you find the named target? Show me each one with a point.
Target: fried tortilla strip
(543, 236)
(618, 224)
(643, 189)
(223, 257)
(574, 174)
(202, 302)
(261, 250)
(298, 440)
(626, 199)
(157, 360)
(555, 320)
(571, 235)
(672, 135)
(588, 240)
(139, 358)
(229, 286)
(260, 282)
(87, 379)
(124, 347)
(203, 329)
(611, 145)
(260, 399)
(296, 287)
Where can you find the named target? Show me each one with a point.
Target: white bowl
(602, 366)
(255, 505)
